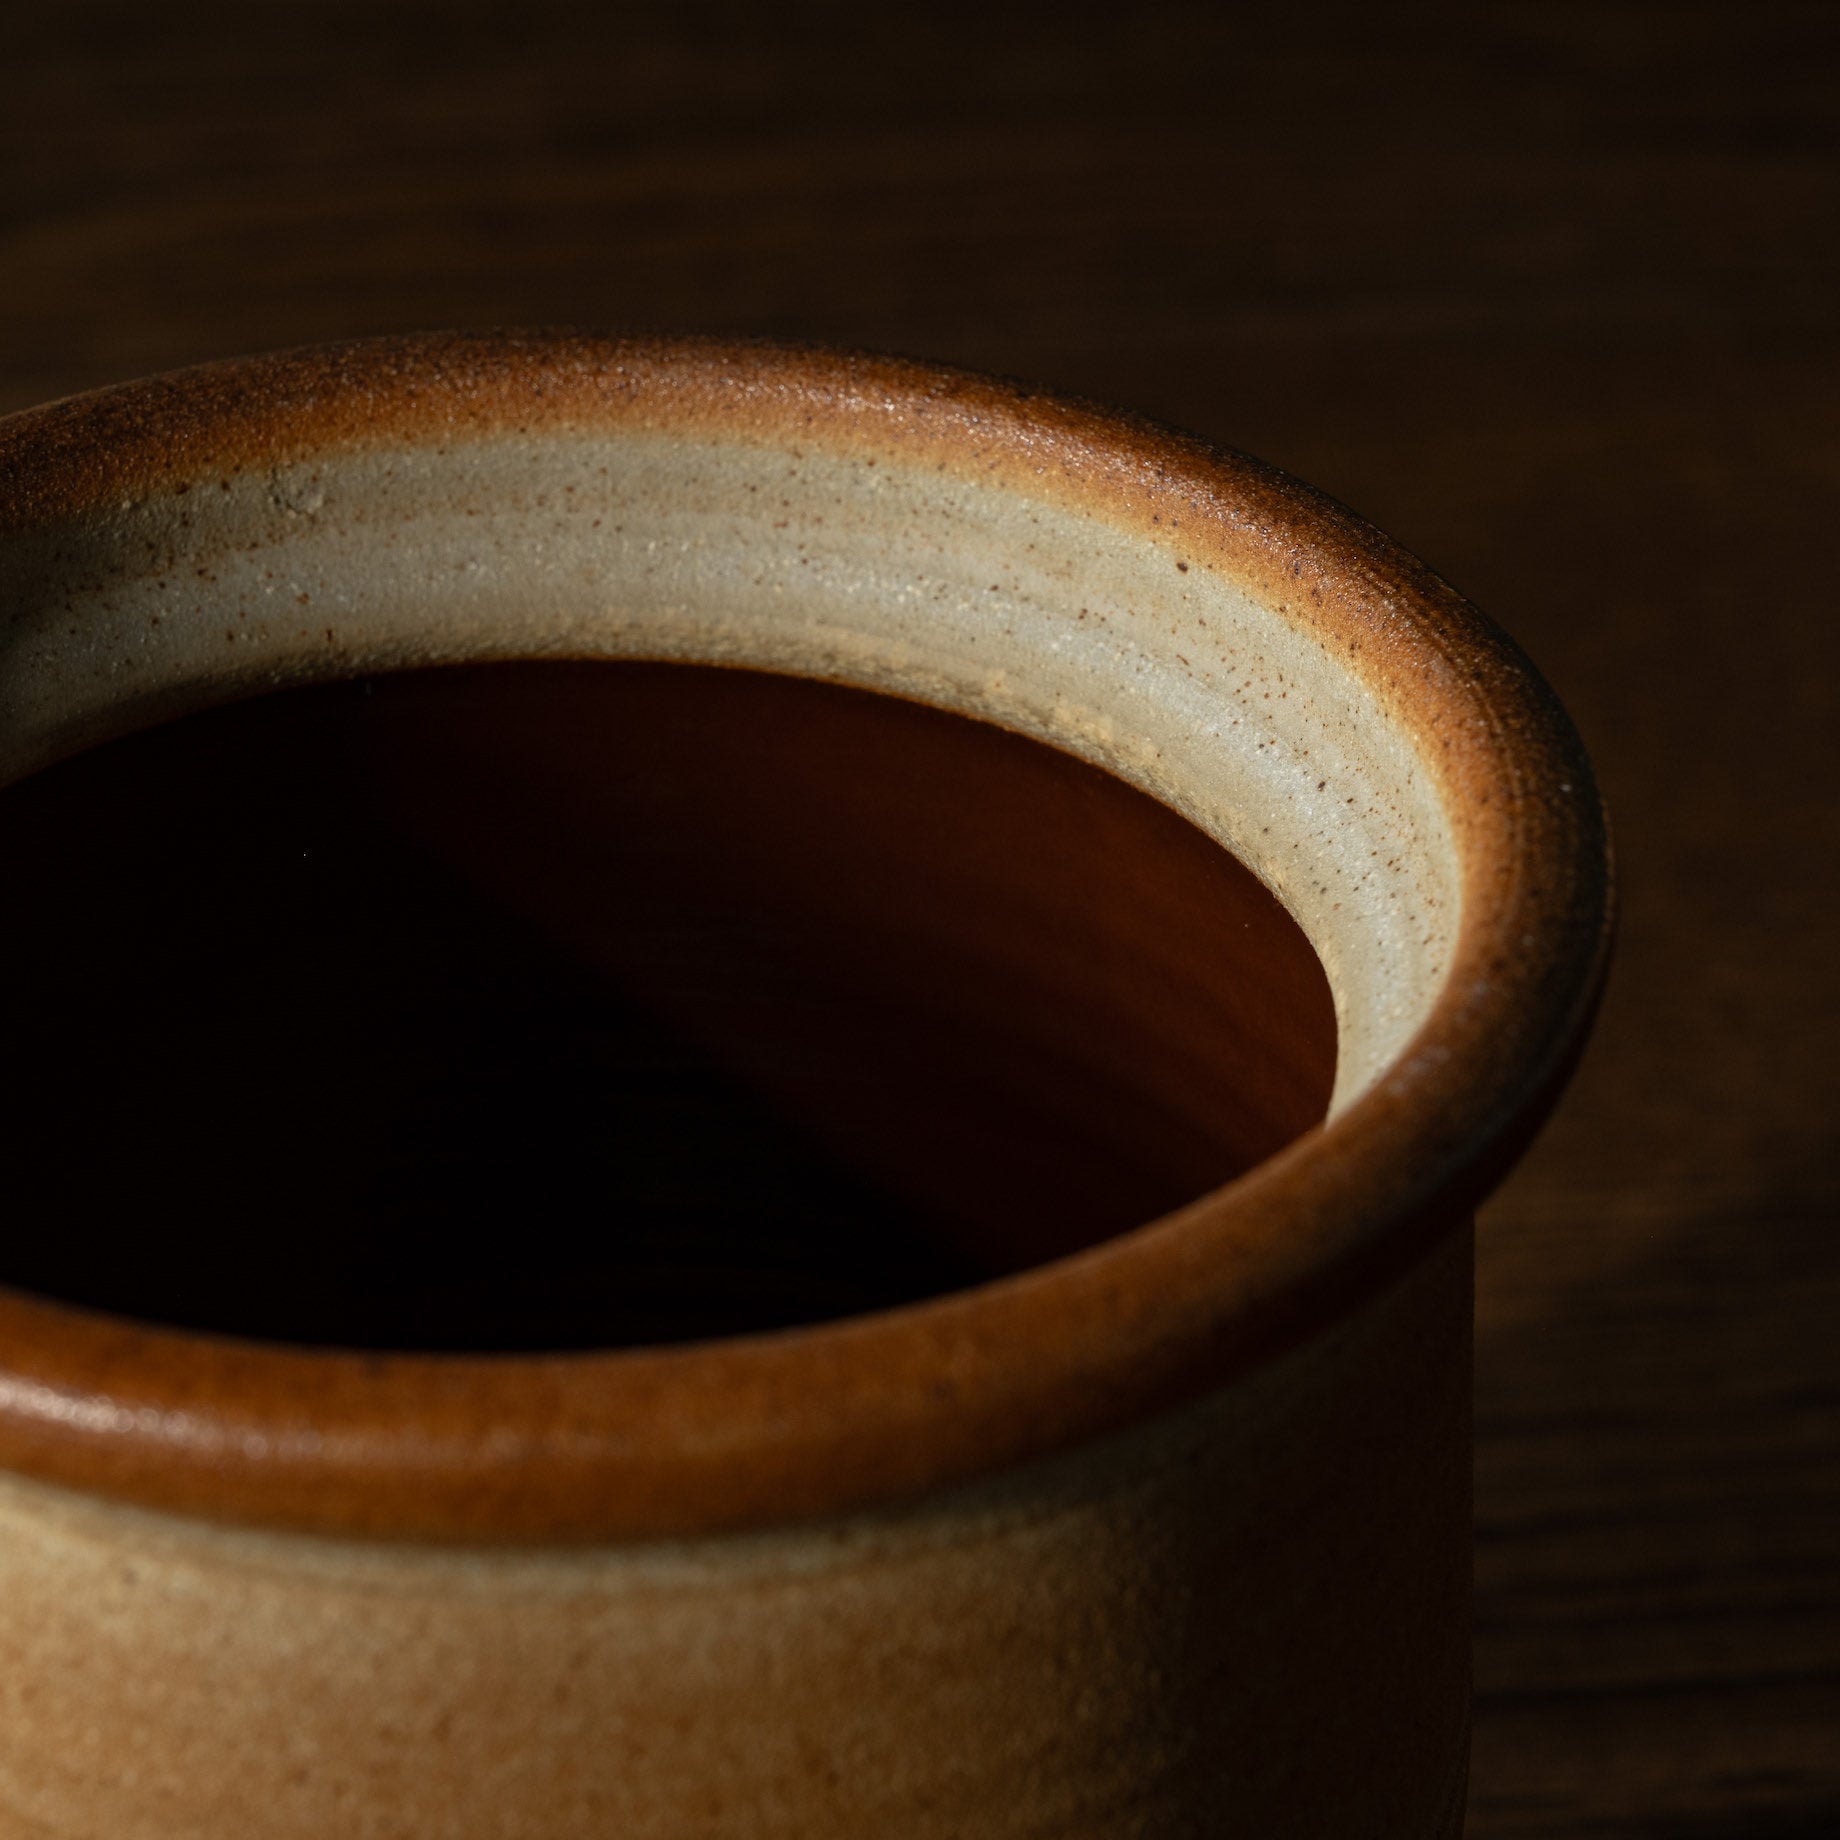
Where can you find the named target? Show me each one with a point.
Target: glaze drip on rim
(1217, 634)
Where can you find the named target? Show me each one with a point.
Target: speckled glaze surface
(1168, 1537)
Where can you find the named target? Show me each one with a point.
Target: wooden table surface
(1549, 291)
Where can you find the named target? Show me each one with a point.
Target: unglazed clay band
(1222, 637)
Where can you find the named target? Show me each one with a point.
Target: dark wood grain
(1548, 290)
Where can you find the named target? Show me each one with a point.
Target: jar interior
(548, 1006)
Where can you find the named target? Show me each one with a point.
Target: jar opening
(542, 1006)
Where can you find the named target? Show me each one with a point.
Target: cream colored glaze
(1167, 671)
(1249, 1619)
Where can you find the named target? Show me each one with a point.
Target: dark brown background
(1548, 291)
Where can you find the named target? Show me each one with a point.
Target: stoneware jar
(1155, 1532)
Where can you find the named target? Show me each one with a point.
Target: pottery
(1166, 1535)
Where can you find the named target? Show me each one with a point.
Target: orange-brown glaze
(873, 1410)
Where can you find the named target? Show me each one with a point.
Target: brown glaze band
(779, 1428)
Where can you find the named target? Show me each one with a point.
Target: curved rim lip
(874, 1410)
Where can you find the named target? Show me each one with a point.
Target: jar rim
(869, 1411)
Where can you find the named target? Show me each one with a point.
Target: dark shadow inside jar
(561, 1006)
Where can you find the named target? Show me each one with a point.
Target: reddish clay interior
(544, 1006)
